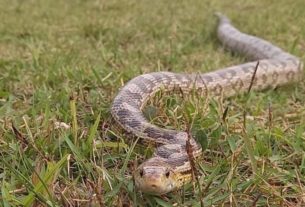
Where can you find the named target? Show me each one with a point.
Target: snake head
(155, 177)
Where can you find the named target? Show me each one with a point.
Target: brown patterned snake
(170, 168)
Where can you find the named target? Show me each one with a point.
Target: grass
(62, 63)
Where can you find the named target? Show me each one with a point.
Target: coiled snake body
(170, 168)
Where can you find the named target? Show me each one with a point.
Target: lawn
(63, 62)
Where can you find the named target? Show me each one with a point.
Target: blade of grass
(52, 172)
(122, 171)
(74, 119)
(93, 130)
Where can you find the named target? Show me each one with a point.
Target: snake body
(169, 168)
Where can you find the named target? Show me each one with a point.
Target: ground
(63, 62)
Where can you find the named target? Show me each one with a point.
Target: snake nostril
(167, 174)
(141, 173)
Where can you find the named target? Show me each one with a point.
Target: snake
(170, 166)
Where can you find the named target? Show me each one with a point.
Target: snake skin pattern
(170, 168)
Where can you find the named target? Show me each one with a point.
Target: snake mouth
(154, 187)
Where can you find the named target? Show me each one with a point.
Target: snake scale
(169, 167)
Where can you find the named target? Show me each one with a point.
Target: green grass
(64, 61)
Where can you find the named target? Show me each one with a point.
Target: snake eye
(141, 173)
(167, 174)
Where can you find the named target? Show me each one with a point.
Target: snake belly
(169, 168)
